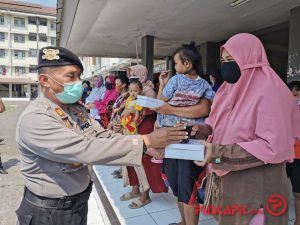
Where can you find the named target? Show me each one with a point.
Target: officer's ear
(44, 80)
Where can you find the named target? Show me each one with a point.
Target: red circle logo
(278, 202)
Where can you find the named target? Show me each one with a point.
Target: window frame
(31, 51)
(32, 69)
(23, 72)
(2, 33)
(31, 35)
(2, 53)
(30, 22)
(17, 56)
(22, 38)
(43, 20)
(2, 22)
(22, 24)
(41, 36)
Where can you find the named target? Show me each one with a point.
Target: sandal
(136, 204)
(116, 172)
(118, 176)
(128, 196)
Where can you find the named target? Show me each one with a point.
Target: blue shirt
(183, 91)
(96, 94)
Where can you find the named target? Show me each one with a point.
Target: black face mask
(230, 72)
(108, 86)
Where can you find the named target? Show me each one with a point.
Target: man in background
(2, 109)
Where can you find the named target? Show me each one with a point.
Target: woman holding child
(255, 122)
(150, 176)
(183, 91)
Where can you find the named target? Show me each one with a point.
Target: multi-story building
(24, 28)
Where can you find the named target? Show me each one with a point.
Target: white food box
(148, 102)
(193, 150)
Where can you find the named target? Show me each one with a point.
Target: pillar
(10, 90)
(293, 70)
(148, 54)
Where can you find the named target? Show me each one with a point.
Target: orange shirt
(297, 149)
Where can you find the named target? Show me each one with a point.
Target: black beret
(57, 56)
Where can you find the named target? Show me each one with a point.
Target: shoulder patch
(60, 112)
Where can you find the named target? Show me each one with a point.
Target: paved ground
(11, 185)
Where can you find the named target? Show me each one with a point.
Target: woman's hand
(117, 127)
(164, 77)
(202, 131)
(207, 157)
(128, 111)
(90, 106)
(166, 109)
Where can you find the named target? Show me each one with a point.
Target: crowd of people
(247, 116)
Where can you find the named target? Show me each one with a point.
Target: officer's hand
(162, 137)
(157, 153)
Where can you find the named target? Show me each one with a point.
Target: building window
(19, 38)
(42, 37)
(20, 70)
(53, 41)
(33, 53)
(2, 36)
(19, 22)
(19, 54)
(1, 20)
(32, 69)
(2, 70)
(32, 37)
(43, 21)
(53, 26)
(32, 20)
(2, 53)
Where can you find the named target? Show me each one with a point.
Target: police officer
(58, 141)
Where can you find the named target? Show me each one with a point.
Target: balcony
(32, 28)
(4, 44)
(43, 29)
(4, 61)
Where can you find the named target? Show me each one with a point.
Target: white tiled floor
(161, 211)
(94, 214)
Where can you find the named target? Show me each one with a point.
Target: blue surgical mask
(72, 92)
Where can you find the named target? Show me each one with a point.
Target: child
(131, 121)
(293, 169)
(184, 89)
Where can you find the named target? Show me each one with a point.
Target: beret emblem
(50, 54)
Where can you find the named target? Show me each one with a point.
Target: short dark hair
(294, 85)
(124, 80)
(43, 70)
(86, 82)
(138, 83)
(189, 52)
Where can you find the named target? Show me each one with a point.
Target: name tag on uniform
(85, 125)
